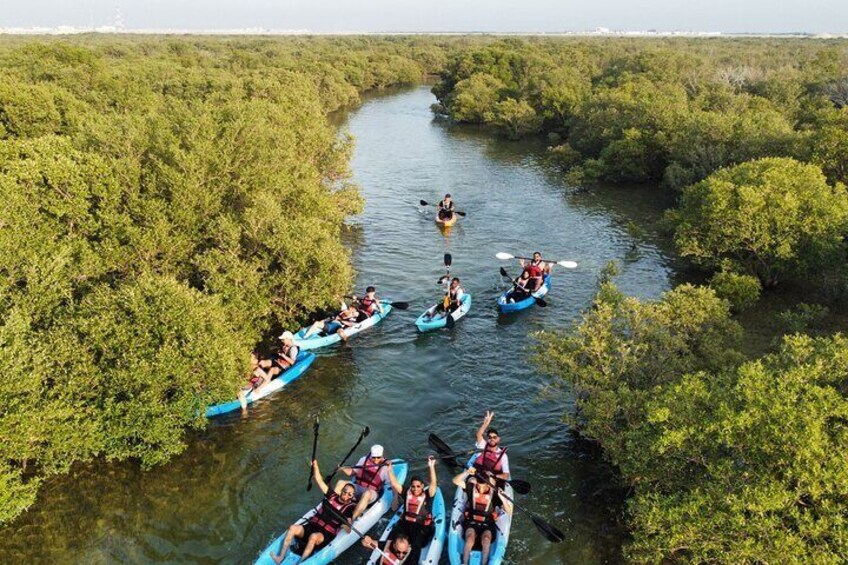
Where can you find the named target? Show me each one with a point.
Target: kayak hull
(302, 363)
(446, 223)
(316, 341)
(456, 535)
(425, 325)
(344, 540)
(504, 306)
(432, 552)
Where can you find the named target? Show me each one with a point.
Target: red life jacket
(326, 520)
(481, 509)
(417, 508)
(489, 460)
(368, 475)
(535, 270)
(367, 305)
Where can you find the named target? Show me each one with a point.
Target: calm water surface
(241, 482)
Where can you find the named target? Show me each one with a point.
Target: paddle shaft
(314, 450)
(365, 431)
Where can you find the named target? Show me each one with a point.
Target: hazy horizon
(333, 16)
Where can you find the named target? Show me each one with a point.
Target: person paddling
(445, 208)
(324, 525)
(265, 370)
(537, 269)
(452, 300)
(520, 288)
(482, 509)
(493, 460)
(346, 318)
(370, 474)
(416, 522)
(396, 551)
(368, 305)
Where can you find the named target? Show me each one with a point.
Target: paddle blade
(448, 259)
(460, 213)
(423, 202)
(504, 256)
(400, 305)
(442, 448)
(567, 264)
(550, 532)
(366, 431)
(520, 486)
(540, 302)
(449, 321)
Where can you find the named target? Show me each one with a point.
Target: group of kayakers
(340, 507)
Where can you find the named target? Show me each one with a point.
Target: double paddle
(425, 203)
(539, 301)
(550, 532)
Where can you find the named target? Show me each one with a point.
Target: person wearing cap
(368, 305)
(445, 208)
(369, 475)
(493, 459)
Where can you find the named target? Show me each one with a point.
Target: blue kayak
(343, 540)
(431, 553)
(456, 536)
(303, 361)
(505, 306)
(426, 324)
(318, 340)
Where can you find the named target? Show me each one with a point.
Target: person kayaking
(346, 318)
(537, 268)
(368, 305)
(416, 522)
(258, 377)
(452, 300)
(324, 525)
(286, 356)
(482, 509)
(520, 288)
(370, 474)
(396, 551)
(493, 460)
(445, 208)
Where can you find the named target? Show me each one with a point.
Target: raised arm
(459, 480)
(434, 485)
(316, 476)
(486, 422)
(396, 484)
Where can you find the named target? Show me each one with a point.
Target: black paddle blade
(449, 321)
(423, 202)
(551, 533)
(504, 273)
(541, 302)
(520, 486)
(366, 431)
(460, 213)
(448, 259)
(442, 448)
(400, 305)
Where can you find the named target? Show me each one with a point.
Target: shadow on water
(242, 481)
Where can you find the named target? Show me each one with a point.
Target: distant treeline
(165, 203)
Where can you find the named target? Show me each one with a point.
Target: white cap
(376, 450)
(287, 335)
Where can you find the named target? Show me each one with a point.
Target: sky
(327, 16)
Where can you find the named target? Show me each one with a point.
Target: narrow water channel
(241, 482)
